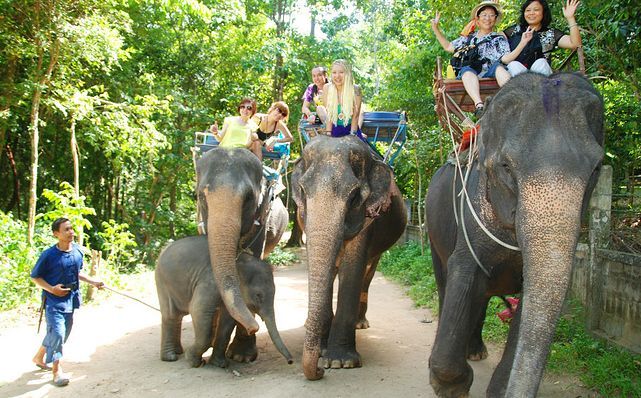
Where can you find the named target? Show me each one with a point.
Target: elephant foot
(362, 323)
(194, 359)
(243, 349)
(169, 356)
(452, 386)
(337, 359)
(477, 354)
(218, 361)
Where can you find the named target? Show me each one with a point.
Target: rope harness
(463, 194)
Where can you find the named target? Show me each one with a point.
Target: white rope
(465, 198)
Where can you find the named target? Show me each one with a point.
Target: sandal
(60, 379)
(480, 109)
(43, 366)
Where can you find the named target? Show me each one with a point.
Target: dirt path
(113, 351)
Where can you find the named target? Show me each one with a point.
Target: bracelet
(572, 25)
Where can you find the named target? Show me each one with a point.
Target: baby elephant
(185, 284)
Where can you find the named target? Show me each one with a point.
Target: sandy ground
(114, 351)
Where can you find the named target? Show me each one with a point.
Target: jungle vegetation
(99, 101)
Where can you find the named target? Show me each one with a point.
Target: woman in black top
(536, 16)
(269, 125)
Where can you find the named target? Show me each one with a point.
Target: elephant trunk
(270, 321)
(223, 234)
(549, 224)
(324, 239)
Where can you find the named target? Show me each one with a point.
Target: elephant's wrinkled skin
(185, 285)
(352, 211)
(229, 196)
(540, 150)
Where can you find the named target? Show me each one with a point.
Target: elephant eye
(354, 198)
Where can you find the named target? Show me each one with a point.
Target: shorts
(58, 328)
(490, 72)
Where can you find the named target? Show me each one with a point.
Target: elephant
(351, 211)
(540, 148)
(185, 285)
(238, 212)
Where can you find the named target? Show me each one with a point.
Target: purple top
(313, 96)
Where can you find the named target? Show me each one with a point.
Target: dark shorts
(491, 72)
(58, 328)
(342, 131)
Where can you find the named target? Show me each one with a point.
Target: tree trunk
(15, 200)
(76, 174)
(42, 81)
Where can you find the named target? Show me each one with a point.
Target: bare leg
(502, 76)
(39, 358)
(472, 87)
(257, 148)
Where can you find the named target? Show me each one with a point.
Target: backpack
(468, 55)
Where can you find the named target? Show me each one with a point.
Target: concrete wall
(619, 315)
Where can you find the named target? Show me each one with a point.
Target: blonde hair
(347, 107)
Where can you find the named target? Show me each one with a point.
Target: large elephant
(238, 212)
(185, 285)
(540, 148)
(351, 211)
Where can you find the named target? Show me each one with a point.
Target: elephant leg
(362, 322)
(476, 349)
(223, 327)
(202, 311)
(341, 345)
(501, 375)
(170, 347)
(450, 374)
(243, 348)
(440, 275)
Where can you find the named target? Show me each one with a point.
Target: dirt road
(113, 352)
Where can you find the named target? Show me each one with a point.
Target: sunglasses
(248, 107)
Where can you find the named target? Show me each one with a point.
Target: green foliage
(609, 370)
(406, 265)
(116, 240)
(16, 261)
(281, 256)
(65, 204)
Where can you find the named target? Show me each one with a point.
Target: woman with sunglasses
(237, 130)
(269, 125)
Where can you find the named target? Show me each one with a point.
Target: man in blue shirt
(58, 272)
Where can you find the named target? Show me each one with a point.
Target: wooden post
(599, 222)
(96, 256)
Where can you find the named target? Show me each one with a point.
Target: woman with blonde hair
(342, 99)
(269, 124)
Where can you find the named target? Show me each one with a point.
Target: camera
(71, 286)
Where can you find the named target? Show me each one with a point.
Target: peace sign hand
(436, 20)
(527, 35)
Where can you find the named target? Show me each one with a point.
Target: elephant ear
(500, 191)
(380, 183)
(297, 195)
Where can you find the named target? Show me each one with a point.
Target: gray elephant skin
(351, 211)
(185, 285)
(539, 155)
(237, 214)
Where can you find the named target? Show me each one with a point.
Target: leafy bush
(116, 241)
(406, 265)
(280, 256)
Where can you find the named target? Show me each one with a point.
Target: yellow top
(237, 135)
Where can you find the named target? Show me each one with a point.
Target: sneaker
(60, 379)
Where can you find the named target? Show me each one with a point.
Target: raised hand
(570, 8)
(214, 128)
(436, 20)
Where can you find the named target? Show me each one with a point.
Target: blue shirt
(56, 266)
